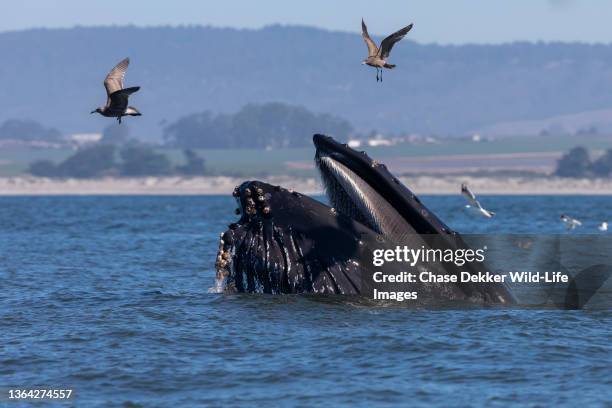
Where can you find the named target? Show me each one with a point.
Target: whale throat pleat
(349, 193)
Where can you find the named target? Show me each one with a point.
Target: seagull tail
(389, 66)
(132, 111)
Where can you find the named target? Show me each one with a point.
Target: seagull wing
(477, 204)
(487, 213)
(372, 48)
(114, 80)
(467, 193)
(388, 43)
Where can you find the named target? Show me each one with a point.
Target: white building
(83, 139)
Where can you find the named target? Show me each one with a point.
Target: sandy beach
(219, 185)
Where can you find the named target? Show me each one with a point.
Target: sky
(439, 21)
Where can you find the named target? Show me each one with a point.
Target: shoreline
(222, 185)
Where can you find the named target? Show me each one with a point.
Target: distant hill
(583, 123)
(55, 77)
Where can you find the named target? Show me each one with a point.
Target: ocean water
(108, 296)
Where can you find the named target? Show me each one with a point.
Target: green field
(251, 163)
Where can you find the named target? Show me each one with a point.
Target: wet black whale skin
(286, 242)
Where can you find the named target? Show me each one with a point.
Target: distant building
(379, 142)
(377, 139)
(84, 139)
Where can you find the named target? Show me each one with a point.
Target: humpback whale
(287, 243)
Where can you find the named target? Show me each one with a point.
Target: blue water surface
(109, 296)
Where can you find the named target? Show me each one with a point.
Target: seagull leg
(381, 72)
(377, 74)
(119, 119)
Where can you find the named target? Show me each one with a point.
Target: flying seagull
(471, 197)
(377, 57)
(117, 96)
(570, 223)
(603, 226)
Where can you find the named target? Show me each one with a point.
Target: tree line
(270, 125)
(27, 130)
(578, 163)
(108, 160)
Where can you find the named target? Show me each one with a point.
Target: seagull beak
(93, 111)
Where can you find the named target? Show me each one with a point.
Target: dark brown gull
(377, 57)
(117, 96)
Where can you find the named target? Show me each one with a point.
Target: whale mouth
(352, 196)
(364, 190)
(285, 242)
